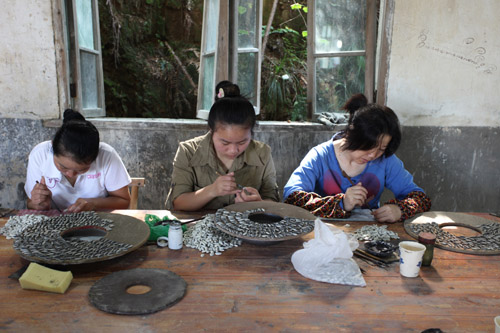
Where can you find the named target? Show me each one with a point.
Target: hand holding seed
(224, 185)
(41, 195)
(81, 205)
(387, 213)
(247, 194)
(355, 196)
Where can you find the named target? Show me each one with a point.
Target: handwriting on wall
(475, 55)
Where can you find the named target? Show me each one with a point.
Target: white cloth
(106, 174)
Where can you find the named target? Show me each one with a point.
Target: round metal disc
(454, 219)
(272, 209)
(109, 294)
(126, 230)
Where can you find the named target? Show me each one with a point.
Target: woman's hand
(40, 196)
(387, 213)
(355, 196)
(224, 185)
(81, 205)
(118, 199)
(247, 194)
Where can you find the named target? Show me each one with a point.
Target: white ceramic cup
(410, 258)
(497, 324)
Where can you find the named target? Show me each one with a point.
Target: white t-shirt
(107, 173)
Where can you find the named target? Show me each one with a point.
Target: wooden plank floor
(255, 288)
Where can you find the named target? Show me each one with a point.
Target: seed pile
(205, 237)
(488, 241)
(43, 240)
(238, 223)
(16, 224)
(375, 233)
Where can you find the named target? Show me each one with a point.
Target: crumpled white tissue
(328, 257)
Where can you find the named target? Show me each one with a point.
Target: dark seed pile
(238, 223)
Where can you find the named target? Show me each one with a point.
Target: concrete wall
(457, 175)
(445, 63)
(28, 76)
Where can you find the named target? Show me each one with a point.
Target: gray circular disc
(461, 220)
(109, 294)
(127, 230)
(275, 208)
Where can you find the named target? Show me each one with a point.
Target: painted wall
(445, 63)
(28, 78)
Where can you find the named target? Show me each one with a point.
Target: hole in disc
(460, 230)
(138, 289)
(264, 218)
(86, 233)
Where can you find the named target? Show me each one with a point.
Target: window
(230, 50)
(341, 52)
(83, 56)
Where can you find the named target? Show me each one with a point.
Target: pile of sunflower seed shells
(43, 240)
(16, 224)
(238, 223)
(205, 237)
(489, 240)
(375, 233)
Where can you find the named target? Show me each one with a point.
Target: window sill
(195, 124)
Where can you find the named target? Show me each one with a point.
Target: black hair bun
(231, 91)
(354, 103)
(70, 114)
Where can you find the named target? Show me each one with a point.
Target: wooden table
(255, 288)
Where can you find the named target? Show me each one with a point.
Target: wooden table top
(255, 288)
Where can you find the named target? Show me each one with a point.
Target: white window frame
(73, 62)
(226, 52)
(368, 53)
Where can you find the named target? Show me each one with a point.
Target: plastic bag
(328, 257)
(159, 230)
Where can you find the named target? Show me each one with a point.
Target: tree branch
(268, 28)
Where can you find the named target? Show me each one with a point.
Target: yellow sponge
(42, 278)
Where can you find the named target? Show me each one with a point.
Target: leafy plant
(284, 76)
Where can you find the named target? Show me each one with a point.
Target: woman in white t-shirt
(75, 171)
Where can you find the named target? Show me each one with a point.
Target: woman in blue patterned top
(353, 168)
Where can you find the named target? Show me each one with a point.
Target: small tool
(52, 202)
(348, 178)
(240, 187)
(353, 184)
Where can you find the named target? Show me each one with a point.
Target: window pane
(340, 25)
(85, 24)
(247, 15)
(88, 63)
(208, 82)
(337, 79)
(247, 63)
(212, 21)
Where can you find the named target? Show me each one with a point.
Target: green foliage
(298, 6)
(283, 92)
(142, 76)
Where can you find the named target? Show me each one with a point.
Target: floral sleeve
(328, 207)
(415, 202)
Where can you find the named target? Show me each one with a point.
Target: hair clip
(221, 93)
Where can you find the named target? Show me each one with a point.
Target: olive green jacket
(196, 166)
